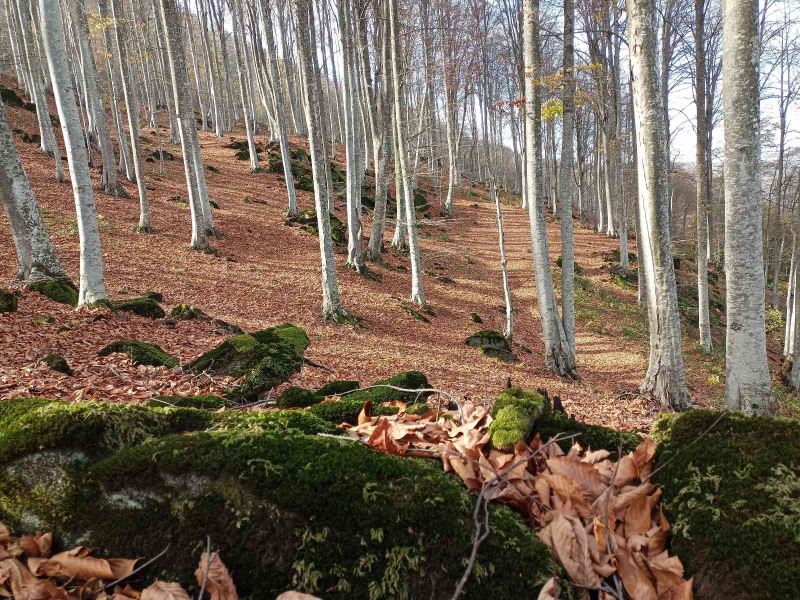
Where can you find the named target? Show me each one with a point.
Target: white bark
(747, 382)
(92, 287)
(665, 380)
(558, 356)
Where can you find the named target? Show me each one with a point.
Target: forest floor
(265, 272)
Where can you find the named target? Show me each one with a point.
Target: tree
(747, 381)
(331, 304)
(36, 256)
(558, 356)
(417, 289)
(701, 178)
(92, 287)
(665, 380)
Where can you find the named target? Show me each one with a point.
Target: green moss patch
(8, 301)
(204, 401)
(144, 307)
(733, 498)
(264, 359)
(297, 397)
(58, 289)
(492, 343)
(57, 363)
(141, 353)
(186, 312)
(337, 387)
(307, 220)
(514, 413)
(286, 510)
(595, 437)
(415, 313)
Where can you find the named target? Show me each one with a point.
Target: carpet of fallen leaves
(601, 518)
(30, 571)
(265, 273)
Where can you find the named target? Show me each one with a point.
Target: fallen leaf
(164, 590)
(364, 415)
(218, 580)
(296, 596)
(75, 564)
(549, 590)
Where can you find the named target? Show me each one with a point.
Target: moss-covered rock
(8, 301)
(186, 312)
(140, 353)
(475, 318)
(415, 313)
(153, 295)
(732, 493)
(58, 289)
(307, 220)
(593, 436)
(492, 343)
(44, 320)
(297, 397)
(515, 412)
(264, 359)
(204, 401)
(144, 307)
(337, 387)
(286, 510)
(57, 363)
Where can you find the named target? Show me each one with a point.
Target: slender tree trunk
(747, 382)
(417, 288)
(92, 286)
(331, 304)
(239, 49)
(701, 178)
(558, 356)
(666, 379)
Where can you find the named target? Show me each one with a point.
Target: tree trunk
(558, 356)
(665, 380)
(92, 287)
(747, 382)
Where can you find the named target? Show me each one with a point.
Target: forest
(399, 299)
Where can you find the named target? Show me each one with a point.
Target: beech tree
(91, 287)
(748, 387)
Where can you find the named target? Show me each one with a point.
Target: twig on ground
(418, 391)
(141, 567)
(209, 559)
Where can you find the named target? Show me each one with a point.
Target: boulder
(8, 301)
(140, 353)
(144, 307)
(57, 363)
(287, 510)
(732, 493)
(265, 359)
(308, 221)
(58, 289)
(492, 343)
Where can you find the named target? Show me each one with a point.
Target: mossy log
(732, 493)
(515, 412)
(287, 510)
(264, 359)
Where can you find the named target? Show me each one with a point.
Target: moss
(475, 318)
(144, 307)
(577, 267)
(492, 343)
(416, 314)
(287, 510)
(735, 528)
(514, 413)
(8, 301)
(420, 408)
(186, 312)
(773, 320)
(204, 401)
(264, 359)
(11, 98)
(593, 436)
(58, 289)
(140, 353)
(297, 397)
(307, 220)
(304, 183)
(57, 363)
(153, 295)
(44, 320)
(337, 387)
(409, 380)
(346, 411)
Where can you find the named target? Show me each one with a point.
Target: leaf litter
(602, 519)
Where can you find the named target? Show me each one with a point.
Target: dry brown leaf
(636, 582)
(5, 534)
(637, 516)
(218, 580)
(670, 583)
(296, 596)
(74, 564)
(364, 415)
(164, 590)
(567, 538)
(584, 474)
(122, 567)
(549, 590)
(16, 575)
(381, 438)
